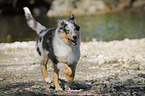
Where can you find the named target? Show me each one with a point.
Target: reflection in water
(14, 28)
(106, 27)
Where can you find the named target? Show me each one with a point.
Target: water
(15, 28)
(105, 27)
(113, 26)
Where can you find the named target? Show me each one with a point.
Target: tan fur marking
(73, 27)
(65, 36)
(77, 33)
(67, 70)
(67, 28)
(44, 66)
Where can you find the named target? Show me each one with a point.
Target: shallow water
(113, 26)
(106, 27)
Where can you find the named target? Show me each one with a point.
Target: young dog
(61, 45)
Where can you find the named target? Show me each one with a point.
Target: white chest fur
(62, 50)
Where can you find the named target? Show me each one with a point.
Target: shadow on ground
(40, 88)
(77, 88)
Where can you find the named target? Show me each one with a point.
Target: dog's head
(69, 30)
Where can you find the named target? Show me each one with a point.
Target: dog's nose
(74, 37)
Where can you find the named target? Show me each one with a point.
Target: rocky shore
(81, 7)
(110, 68)
(67, 7)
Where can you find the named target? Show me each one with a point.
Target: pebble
(1, 79)
(125, 77)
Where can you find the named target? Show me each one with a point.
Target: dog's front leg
(70, 73)
(55, 78)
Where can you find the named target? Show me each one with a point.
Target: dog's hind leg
(44, 69)
(44, 59)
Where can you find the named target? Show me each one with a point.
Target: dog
(61, 45)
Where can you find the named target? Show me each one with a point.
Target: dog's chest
(65, 53)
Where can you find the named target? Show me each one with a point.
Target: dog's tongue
(74, 43)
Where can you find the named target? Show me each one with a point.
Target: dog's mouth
(73, 42)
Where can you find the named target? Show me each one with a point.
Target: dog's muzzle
(73, 41)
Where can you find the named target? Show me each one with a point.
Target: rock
(61, 7)
(1, 79)
(96, 5)
(125, 77)
(67, 7)
(101, 59)
(114, 81)
(104, 59)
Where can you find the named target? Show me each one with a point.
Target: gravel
(105, 68)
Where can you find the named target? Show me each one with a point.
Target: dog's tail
(32, 22)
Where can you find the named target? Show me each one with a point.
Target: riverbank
(67, 7)
(115, 67)
(87, 7)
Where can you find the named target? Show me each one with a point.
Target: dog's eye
(74, 28)
(67, 31)
(77, 28)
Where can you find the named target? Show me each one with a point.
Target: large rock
(67, 7)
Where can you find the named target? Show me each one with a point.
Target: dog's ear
(60, 23)
(72, 17)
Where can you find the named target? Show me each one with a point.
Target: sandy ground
(110, 68)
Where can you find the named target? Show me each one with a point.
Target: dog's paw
(48, 80)
(67, 88)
